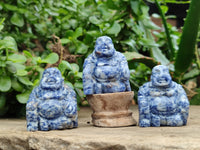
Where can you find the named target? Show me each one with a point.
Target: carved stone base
(111, 109)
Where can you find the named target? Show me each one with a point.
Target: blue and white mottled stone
(162, 102)
(52, 105)
(105, 70)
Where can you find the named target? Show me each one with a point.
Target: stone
(14, 135)
(111, 109)
(106, 71)
(162, 102)
(52, 105)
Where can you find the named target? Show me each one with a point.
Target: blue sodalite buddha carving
(52, 105)
(105, 70)
(162, 102)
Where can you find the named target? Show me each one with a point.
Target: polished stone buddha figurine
(162, 102)
(106, 85)
(51, 105)
(105, 70)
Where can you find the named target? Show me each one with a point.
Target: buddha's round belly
(163, 105)
(50, 109)
(106, 73)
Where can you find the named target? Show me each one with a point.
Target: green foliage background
(26, 30)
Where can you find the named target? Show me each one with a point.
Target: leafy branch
(186, 50)
(169, 40)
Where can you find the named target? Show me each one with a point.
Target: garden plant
(28, 46)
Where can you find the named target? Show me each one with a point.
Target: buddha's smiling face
(51, 79)
(160, 76)
(104, 47)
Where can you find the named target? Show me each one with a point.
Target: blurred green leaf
(114, 29)
(1, 27)
(27, 54)
(136, 57)
(5, 83)
(191, 74)
(135, 7)
(94, 33)
(188, 41)
(69, 84)
(81, 48)
(107, 13)
(63, 66)
(19, 66)
(151, 25)
(148, 42)
(21, 73)
(73, 23)
(71, 8)
(78, 32)
(51, 58)
(16, 85)
(131, 43)
(25, 80)
(8, 43)
(156, 15)
(2, 63)
(94, 20)
(79, 75)
(11, 67)
(23, 97)
(36, 60)
(164, 9)
(69, 34)
(17, 20)
(65, 41)
(160, 57)
(75, 68)
(78, 85)
(17, 58)
(36, 82)
(10, 7)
